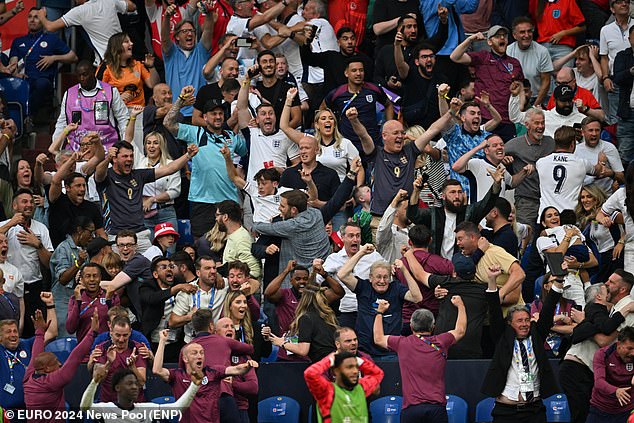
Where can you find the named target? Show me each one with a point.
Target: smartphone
(577, 307)
(244, 42)
(554, 261)
(253, 73)
(76, 117)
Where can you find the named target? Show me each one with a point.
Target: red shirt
(155, 16)
(433, 264)
(204, 407)
(80, 313)
(350, 13)
(581, 93)
(323, 390)
(494, 75)
(46, 391)
(225, 11)
(558, 16)
(107, 393)
(422, 367)
(610, 373)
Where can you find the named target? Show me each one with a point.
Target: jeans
(62, 294)
(613, 105)
(41, 94)
(432, 413)
(625, 135)
(559, 50)
(597, 416)
(576, 381)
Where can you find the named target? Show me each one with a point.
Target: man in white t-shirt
(244, 21)
(270, 147)
(478, 171)
(98, 17)
(13, 281)
(590, 149)
(561, 173)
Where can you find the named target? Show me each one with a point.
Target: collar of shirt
(94, 91)
(465, 132)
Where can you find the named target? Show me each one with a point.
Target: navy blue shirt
(392, 322)
(44, 44)
(339, 100)
(20, 359)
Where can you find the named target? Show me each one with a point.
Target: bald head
(308, 149)
(393, 136)
(46, 362)
(162, 95)
(566, 76)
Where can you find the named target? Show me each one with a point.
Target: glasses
(563, 82)
(123, 246)
(186, 31)
(427, 56)
(166, 266)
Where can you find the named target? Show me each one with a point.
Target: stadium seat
(457, 409)
(278, 410)
(185, 232)
(538, 287)
(166, 400)
(273, 356)
(62, 347)
(386, 409)
(16, 93)
(557, 409)
(483, 410)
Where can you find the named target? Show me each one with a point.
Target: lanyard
(347, 103)
(11, 360)
(508, 68)
(518, 354)
(242, 334)
(196, 298)
(33, 45)
(88, 306)
(9, 302)
(431, 344)
(90, 109)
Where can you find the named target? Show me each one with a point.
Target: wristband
(6, 135)
(132, 118)
(149, 67)
(379, 312)
(603, 78)
(50, 307)
(292, 36)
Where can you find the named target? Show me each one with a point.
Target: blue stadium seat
(62, 347)
(16, 93)
(457, 409)
(166, 400)
(273, 356)
(483, 410)
(185, 232)
(538, 287)
(386, 409)
(278, 410)
(557, 409)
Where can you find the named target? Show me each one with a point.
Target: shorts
(202, 218)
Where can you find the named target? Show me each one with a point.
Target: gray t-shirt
(535, 60)
(392, 171)
(525, 152)
(122, 199)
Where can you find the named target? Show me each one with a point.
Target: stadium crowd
(336, 183)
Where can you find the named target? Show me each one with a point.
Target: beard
(453, 208)
(347, 383)
(564, 111)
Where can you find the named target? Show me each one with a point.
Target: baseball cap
(212, 104)
(495, 29)
(564, 93)
(464, 266)
(96, 245)
(163, 229)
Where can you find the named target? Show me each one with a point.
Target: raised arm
(401, 65)
(166, 36)
(242, 104)
(157, 367)
(485, 103)
(345, 273)
(237, 180)
(285, 119)
(272, 291)
(366, 140)
(208, 29)
(461, 321)
(380, 338)
(335, 290)
(413, 295)
(436, 128)
(64, 170)
(460, 55)
(175, 165)
(263, 18)
(416, 269)
(460, 165)
(49, 26)
(58, 142)
(185, 98)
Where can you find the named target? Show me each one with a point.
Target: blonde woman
(312, 332)
(236, 308)
(159, 196)
(212, 243)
